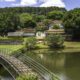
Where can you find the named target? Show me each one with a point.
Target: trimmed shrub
(56, 27)
(30, 43)
(55, 41)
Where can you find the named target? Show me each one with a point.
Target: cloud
(9, 0)
(48, 3)
(28, 2)
(44, 3)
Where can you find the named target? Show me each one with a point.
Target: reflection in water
(4, 75)
(66, 65)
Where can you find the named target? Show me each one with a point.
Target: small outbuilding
(15, 34)
(40, 35)
(23, 33)
(28, 32)
(55, 31)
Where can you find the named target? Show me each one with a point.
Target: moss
(27, 77)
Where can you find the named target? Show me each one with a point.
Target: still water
(65, 65)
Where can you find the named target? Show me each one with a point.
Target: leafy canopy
(55, 15)
(71, 22)
(55, 41)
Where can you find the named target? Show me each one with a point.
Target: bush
(39, 18)
(56, 27)
(41, 28)
(55, 41)
(30, 24)
(31, 43)
(27, 77)
(71, 23)
(55, 15)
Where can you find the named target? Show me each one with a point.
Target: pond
(65, 65)
(4, 74)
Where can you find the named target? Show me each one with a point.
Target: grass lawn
(72, 44)
(10, 48)
(69, 46)
(42, 46)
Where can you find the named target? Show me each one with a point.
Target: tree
(8, 22)
(24, 17)
(55, 41)
(71, 22)
(31, 43)
(55, 15)
(39, 18)
(30, 24)
(31, 10)
(47, 22)
(41, 26)
(26, 21)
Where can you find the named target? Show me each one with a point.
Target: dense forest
(31, 10)
(15, 18)
(40, 18)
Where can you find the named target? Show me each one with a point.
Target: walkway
(37, 67)
(19, 67)
(16, 64)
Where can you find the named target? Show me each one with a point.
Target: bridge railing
(17, 65)
(41, 70)
(8, 65)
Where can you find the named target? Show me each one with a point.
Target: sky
(68, 4)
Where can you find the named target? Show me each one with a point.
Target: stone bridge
(14, 66)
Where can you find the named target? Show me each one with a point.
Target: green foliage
(41, 28)
(27, 77)
(12, 19)
(47, 22)
(26, 20)
(24, 17)
(55, 41)
(71, 22)
(30, 24)
(30, 43)
(8, 22)
(39, 18)
(56, 27)
(55, 15)
(31, 10)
